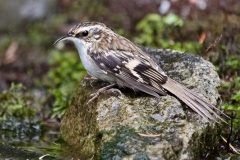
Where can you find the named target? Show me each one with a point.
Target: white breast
(88, 63)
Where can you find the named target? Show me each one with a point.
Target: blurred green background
(37, 81)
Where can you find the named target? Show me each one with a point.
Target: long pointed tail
(199, 105)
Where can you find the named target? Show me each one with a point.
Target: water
(28, 139)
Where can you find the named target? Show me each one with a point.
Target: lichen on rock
(138, 126)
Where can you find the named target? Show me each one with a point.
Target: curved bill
(67, 38)
(60, 39)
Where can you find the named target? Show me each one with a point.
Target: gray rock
(138, 126)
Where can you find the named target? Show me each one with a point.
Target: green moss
(155, 30)
(230, 91)
(233, 62)
(4, 43)
(121, 135)
(206, 143)
(78, 126)
(16, 102)
(63, 78)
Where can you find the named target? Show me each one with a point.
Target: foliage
(15, 102)
(63, 78)
(231, 91)
(233, 62)
(155, 30)
(4, 43)
(35, 34)
(236, 98)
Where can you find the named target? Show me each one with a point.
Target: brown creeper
(113, 58)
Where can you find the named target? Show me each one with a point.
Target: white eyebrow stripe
(90, 27)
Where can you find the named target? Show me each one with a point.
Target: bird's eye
(84, 33)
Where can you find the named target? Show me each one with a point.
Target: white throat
(82, 51)
(87, 61)
(79, 44)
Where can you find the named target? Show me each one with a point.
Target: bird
(113, 58)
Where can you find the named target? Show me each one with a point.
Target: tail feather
(196, 103)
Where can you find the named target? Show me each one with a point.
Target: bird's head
(86, 33)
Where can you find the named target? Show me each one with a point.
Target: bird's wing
(140, 74)
(131, 71)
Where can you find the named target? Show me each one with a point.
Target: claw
(115, 91)
(101, 90)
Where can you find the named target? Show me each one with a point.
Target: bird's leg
(102, 90)
(89, 77)
(115, 91)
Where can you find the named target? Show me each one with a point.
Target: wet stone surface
(137, 126)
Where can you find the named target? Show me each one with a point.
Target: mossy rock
(138, 126)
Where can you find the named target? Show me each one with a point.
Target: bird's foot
(106, 89)
(90, 79)
(115, 91)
